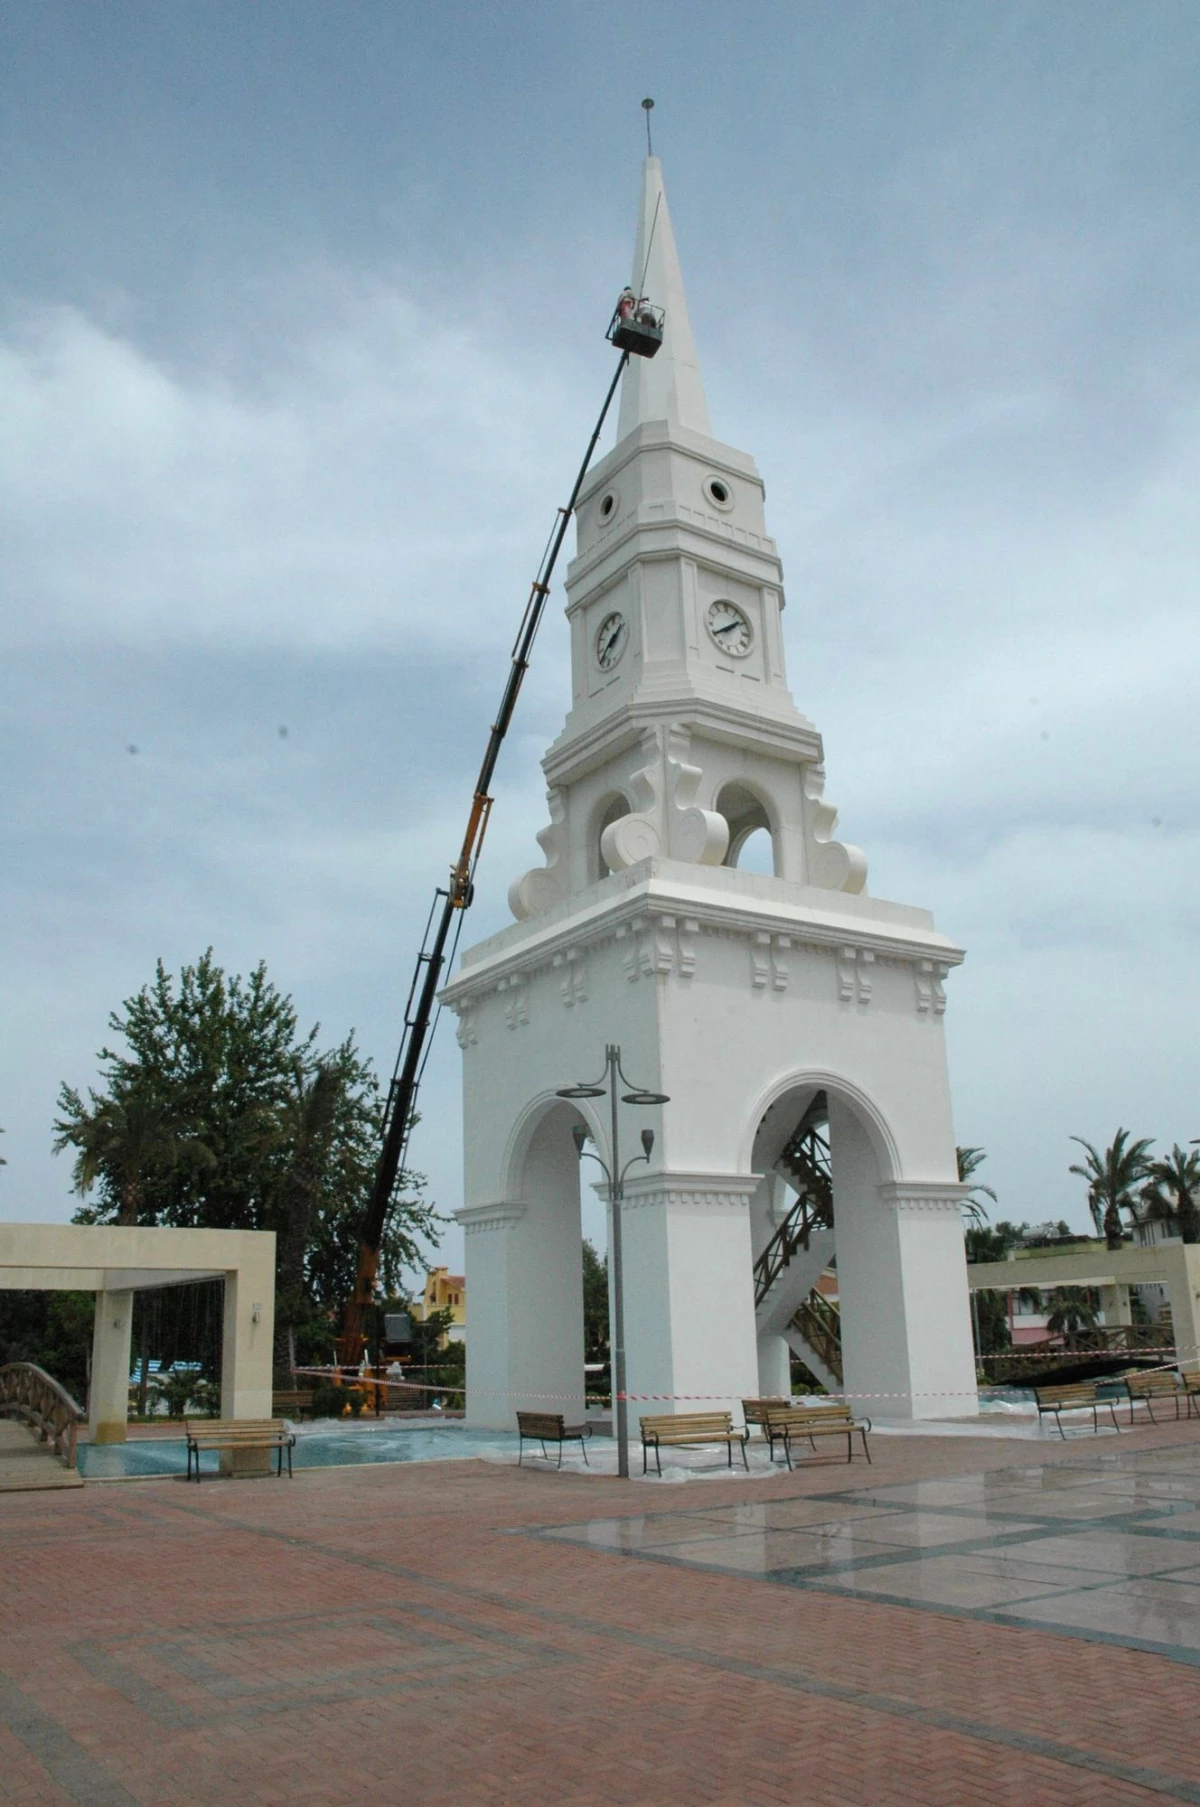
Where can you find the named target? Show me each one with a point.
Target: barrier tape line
(370, 1380)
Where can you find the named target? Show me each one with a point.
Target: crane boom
(448, 904)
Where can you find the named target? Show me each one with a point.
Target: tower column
(690, 1337)
(906, 1323)
(525, 1279)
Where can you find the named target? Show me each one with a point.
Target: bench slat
(682, 1429)
(234, 1434)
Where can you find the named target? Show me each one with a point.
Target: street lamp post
(606, 1086)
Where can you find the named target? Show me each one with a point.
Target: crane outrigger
(636, 330)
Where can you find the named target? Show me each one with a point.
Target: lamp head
(579, 1136)
(647, 1142)
(644, 1098)
(580, 1091)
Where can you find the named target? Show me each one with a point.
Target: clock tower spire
(682, 737)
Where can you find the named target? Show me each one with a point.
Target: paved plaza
(968, 1620)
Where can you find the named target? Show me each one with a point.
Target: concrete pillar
(907, 1350)
(246, 1353)
(108, 1395)
(690, 1335)
(1114, 1305)
(1183, 1286)
(524, 1260)
(774, 1368)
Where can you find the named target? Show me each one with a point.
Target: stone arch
(611, 807)
(839, 1090)
(898, 1340)
(547, 1115)
(748, 812)
(525, 1278)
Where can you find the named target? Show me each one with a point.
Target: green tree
(969, 1160)
(990, 1310)
(1113, 1179)
(1072, 1309)
(123, 1141)
(595, 1305)
(290, 1135)
(1171, 1193)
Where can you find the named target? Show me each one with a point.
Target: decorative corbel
(699, 836)
(831, 865)
(545, 885)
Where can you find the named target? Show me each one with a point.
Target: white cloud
(385, 485)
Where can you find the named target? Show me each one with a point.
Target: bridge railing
(28, 1392)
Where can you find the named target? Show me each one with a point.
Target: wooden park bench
(1152, 1384)
(755, 1411)
(1189, 1382)
(787, 1423)
(237, 1433)
(293, 1402)
(549, 1427)
(1081, 1395)
(690, 1430)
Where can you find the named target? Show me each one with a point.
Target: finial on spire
(649, 108)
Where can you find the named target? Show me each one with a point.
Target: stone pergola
(1175, 1265)
(114, 1263)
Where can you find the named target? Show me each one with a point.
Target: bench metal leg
(745, 1457)
(583, 1447)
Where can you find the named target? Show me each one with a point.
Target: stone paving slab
(421, 1634)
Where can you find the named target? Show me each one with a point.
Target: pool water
(316, 1447)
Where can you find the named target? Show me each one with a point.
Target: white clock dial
(612, 637)
(730, 628)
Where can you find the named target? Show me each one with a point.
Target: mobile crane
(635, 330)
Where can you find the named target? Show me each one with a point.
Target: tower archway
(842, 1247)
(753, 841)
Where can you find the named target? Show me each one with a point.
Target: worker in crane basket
(626, 302)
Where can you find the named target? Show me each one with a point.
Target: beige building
(445, 1291)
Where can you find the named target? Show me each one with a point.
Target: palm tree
(1113, 1178)
(305, 1125)
(968, 1160)
(1174, 1182)
(123, 1140)
(1071, 1310)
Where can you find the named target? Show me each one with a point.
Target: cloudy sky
(300, 339)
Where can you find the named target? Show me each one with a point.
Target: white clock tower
(768, 1008)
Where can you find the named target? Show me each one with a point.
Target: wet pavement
(1108, 1549)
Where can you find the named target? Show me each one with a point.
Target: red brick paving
(388, 1634)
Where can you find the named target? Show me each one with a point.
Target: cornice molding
(784, 733)
(650, 903)
(682, 532)
(498, 1216)
(705, 1191)
(927, 1199)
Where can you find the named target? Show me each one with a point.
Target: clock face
(730, 628)
(612, 637)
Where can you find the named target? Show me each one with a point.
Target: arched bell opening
(752, 843)
(608, 811)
